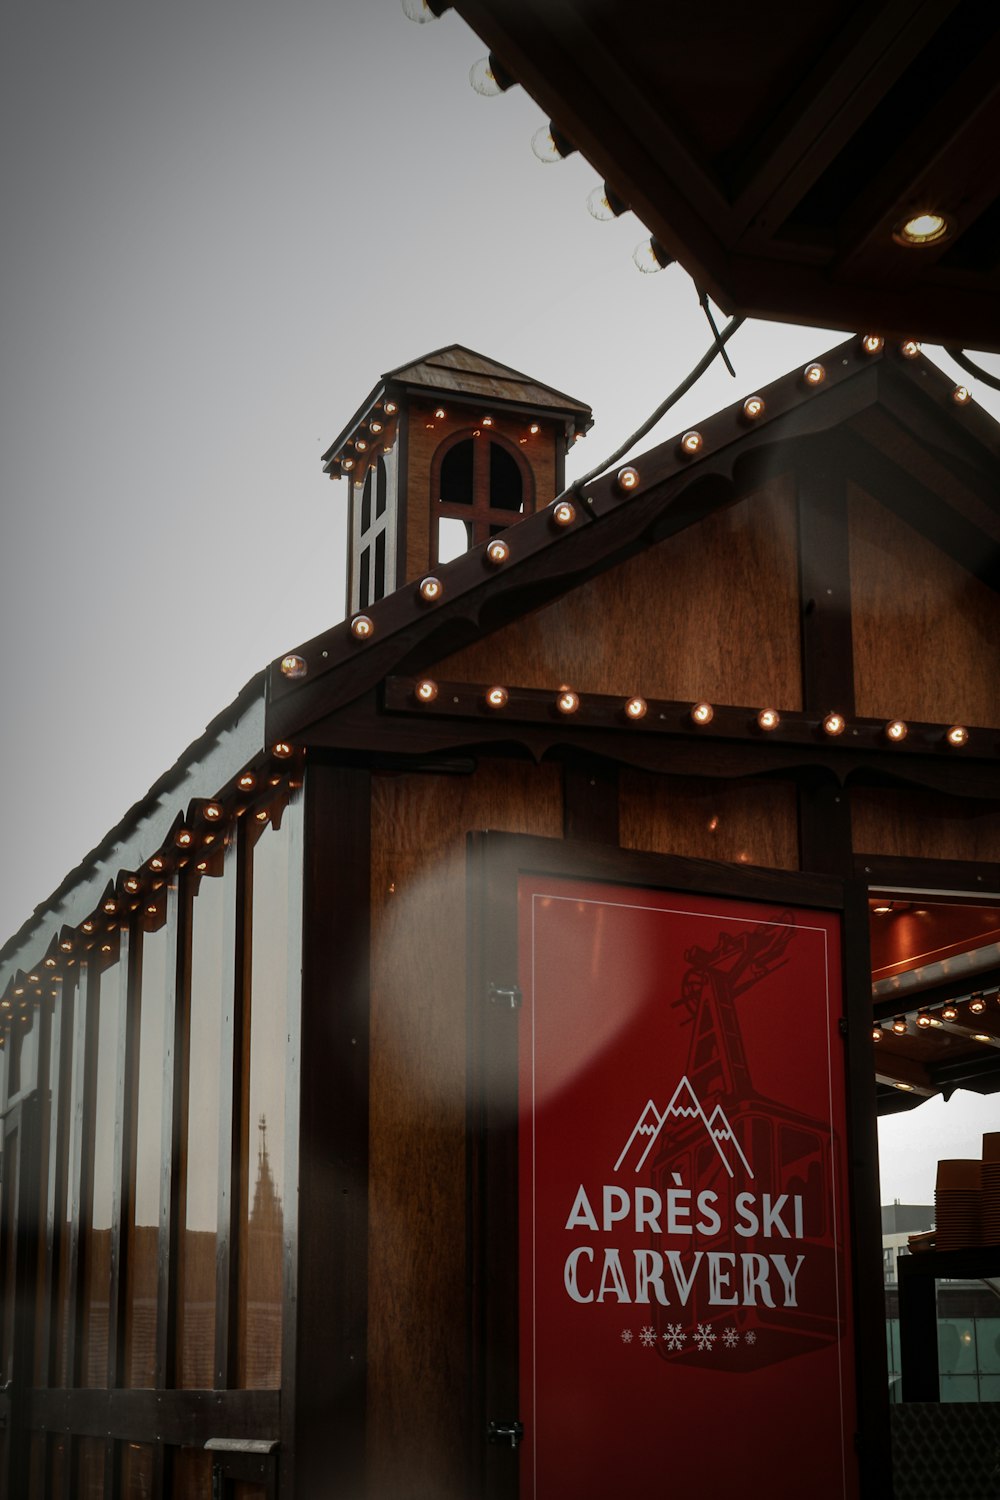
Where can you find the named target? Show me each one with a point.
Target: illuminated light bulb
(262, 816)
(871, 343)
(362, 627)
(567, 702)
(202, 865)
(753, 407)
(487, 421)
(550, 145)
(87, 926)
(426, 690)
(923, 1020)
(981, 1036)
(151, 909)
(957, 735)
(247, 781)
(935, 1021)
(961, 395)
(497, 697)
(949, 1012)
(105, 947)
(834, 724)
(909, 348)
(431, 590)
(361, 445)
(497, 552)
(489, 78)
(213, 812)
(691, 443)
(156, 863)
(627, 478)
(883, 909)
(899, 1025)
(440, 414)
(109, 906)
(896, 730)
(703, 713)
(131, 885)
(534, 428)
(390, 408)
(814, 374)
(563, 513)
(183, 838)
(579, 436)
(876, 1033)
(636, 708)
(293, 667)
(922, 229)
(650, 257)
(347, 464)
(768, 719)
(375, 427)
(977, 1004)
(66, 945)
(282, 749)
(906, 1088)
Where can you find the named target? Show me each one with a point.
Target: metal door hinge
(507, 996)
(508, 1433)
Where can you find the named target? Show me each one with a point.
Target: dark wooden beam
(324, 1370)
(177, 992)
(182, 1418)
(232, 1104)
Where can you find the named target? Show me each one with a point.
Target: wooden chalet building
(691, 771)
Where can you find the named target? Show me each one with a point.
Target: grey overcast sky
(223, 220)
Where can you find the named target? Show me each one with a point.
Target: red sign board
(684, 1292)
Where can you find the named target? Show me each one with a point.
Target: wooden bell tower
(445, 453)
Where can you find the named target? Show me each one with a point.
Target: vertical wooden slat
(235, 981)
(324, 1384)
(82, 1166)
(294, 824)
(827, 648)
(590, 801)
(123, 1178)
(60, 1060)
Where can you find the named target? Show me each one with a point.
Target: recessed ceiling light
(922, 229)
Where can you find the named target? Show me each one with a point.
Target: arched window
(479, 486)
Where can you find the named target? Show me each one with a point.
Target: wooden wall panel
(748, 822)
(417, 1225)
(926, 633)
(710, 613)
(923, 825)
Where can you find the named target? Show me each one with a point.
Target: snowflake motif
(705, 1338)
(750, 1337)
(674, 1336)
(730, 1338)
(626, 1335)
(647, 1338)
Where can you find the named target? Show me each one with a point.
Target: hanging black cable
(721, 339)
(961, 358)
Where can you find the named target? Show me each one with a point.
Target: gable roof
(894, 413)
(463, 373)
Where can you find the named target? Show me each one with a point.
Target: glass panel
(505, 480)
(196, 1341)
(97, 1249)
(68, 1125)
(140, 1323)
(959, 1388)
(260, 1266)
(25, 1051)
(136, 1471)
(192, 1477)
(454, 538)
(989, 1387)
(456, 474)
(90, 1470)
(956, 1347)
(988, 1344)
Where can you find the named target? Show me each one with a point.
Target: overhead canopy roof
(773, 148)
